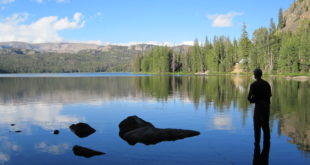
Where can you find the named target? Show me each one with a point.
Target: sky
(132, 21)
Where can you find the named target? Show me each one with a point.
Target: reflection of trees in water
(64, 89)
(290, 105)
(219, 90)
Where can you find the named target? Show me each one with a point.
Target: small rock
(18, 131)
(56, 132)
(82, 129)
(85, 152)
(12, 124)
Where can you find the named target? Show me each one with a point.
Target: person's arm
(250, 95)
(269, 91)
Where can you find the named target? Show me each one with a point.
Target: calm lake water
(216, 106)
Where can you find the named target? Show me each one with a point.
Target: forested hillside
(276, 48)
(19, 57)
(116, 58)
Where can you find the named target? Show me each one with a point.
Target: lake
(32, 106)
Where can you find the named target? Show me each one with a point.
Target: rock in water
(82, 129)
(135, 130)
(56, 132)
(85, 152)
(131, 123)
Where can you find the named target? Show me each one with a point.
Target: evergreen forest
(272, 49)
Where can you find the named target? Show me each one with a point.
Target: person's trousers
(261, 121)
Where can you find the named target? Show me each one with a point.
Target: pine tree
(196, 60)
(207, 51)
(281, 19)
(137, 63)
(272, 46)
(245, 48)
(304, 47)
(272, 28)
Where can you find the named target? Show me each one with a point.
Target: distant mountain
(67, 47)
(49, 47)
(76, 47)
(17, 57)
(297, 15)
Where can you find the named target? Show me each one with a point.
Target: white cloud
(190, 43)
(17, 18)
(6, 1)
(223, 20)
(165, 43)
(45, 29)
(148, 42)
(97, 42)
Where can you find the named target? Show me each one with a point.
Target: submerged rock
(135, 130)
(85, 152)
(82, 129)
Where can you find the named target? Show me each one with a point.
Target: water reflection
(6, 148)
(39, 101)
(261, 158)
(51, 148)
(222, 122)
(85, 152)
(47, 116)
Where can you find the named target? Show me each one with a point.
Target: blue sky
(126, 21)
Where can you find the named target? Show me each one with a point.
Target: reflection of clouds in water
(128, 99)
(6, 147)
(4, 157)
(222, 122)
(45, 115)
(187, 100)
(52, 149)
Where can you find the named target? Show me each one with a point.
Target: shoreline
(226, 73)
(289, 76)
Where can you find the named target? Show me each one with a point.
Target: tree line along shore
(272, 49)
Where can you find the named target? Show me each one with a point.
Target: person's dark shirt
(260, 91)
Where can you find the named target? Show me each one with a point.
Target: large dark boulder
(135, 130)
(82, 129)
(132, 123)
(85, 152)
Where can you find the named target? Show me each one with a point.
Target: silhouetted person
(260, 93)
(261, 158)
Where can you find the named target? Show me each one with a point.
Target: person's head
(258, 73)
